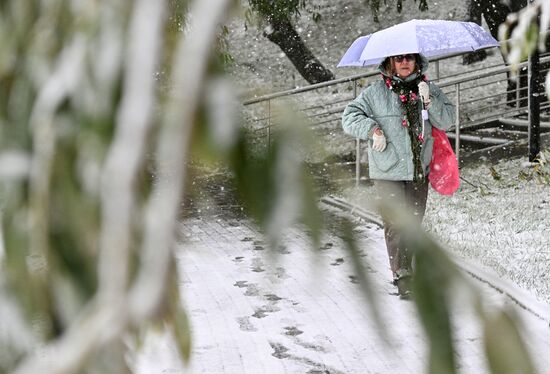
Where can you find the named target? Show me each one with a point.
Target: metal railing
(480, 96)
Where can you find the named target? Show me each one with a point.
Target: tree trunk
(282, 33)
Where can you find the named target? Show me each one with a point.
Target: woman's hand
(378, 140)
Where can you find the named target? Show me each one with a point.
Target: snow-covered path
(300, 310)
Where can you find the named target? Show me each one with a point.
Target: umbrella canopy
(431, 38)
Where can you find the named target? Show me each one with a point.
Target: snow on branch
(526, 30)
(529, 31)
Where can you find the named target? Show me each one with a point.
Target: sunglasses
(408, 57)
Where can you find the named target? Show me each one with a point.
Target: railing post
(437, 69)
(518, 85)
(357, 161)
(357, 146)
(533, 101)
(457, 125)
(534, 105)
(268, 123)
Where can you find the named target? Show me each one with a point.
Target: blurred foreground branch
(190, 66)
(109, 315)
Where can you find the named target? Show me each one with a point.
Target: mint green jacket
(378, 106)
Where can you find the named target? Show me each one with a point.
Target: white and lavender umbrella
(431, 38)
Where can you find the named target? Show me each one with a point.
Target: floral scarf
(408, 95)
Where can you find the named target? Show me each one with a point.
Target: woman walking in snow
(388, 114)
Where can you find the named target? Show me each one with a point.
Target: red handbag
(444, 176)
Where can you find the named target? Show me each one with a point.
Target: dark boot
(404, 287)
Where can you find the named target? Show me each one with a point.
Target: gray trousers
(412, 196)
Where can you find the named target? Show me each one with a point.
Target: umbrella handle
(424, 111)
(424, 115)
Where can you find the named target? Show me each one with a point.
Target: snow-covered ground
(299, 309)
(498, 217)
(501, 221)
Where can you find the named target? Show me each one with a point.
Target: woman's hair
(389, 66)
